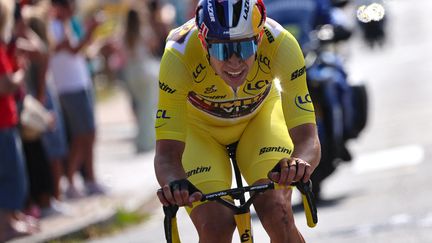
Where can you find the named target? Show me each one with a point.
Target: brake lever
(170, 212)
(308, 202)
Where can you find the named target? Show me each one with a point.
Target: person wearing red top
(8, 113)
(13, 177)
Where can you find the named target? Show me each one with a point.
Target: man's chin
(234, 82)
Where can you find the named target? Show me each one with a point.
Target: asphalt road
(384, 195)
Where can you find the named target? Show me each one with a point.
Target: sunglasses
(224, 50)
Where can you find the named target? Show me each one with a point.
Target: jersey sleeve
(289, 66)
(174, 85)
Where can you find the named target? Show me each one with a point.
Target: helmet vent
(221, 15)
(236, 12)
(227, 15)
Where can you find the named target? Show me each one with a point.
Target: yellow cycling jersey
(191, 92)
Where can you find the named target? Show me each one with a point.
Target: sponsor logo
(245, 237)
(303, 102)
(228, 109)
(210, 89)
(246, 9)
(214, 97)
(275, 149)
(161, 125)
(259, 187)
(297, 73)
(255, 86)
(264, 60)
(166, 88)
(216, 195)
(210, 10)
(198, 170)
(162, 114)
(179, 35)
(269, 35)
(197, 73)
(263, 64)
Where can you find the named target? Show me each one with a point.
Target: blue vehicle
(341, 108)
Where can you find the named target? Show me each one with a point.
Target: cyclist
(232, 75)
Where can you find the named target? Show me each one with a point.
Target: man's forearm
(167, 171)
(306, 144)
(309, 151)
(167, 161)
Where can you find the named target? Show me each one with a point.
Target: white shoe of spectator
(93, 188)
(56, 208)
(73, 193)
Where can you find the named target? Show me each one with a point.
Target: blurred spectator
(44, 153)
(161, 21)
(54, 140)
(38, 169)
(140, 73)
(74, 86)
(192, 8)
(13, 177)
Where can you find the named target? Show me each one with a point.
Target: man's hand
(180, 192)
(290, 170)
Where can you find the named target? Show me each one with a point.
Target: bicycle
(241, 210)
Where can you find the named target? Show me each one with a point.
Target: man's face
(234, 70)
(233, 60)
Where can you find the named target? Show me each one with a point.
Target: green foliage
(120, 221)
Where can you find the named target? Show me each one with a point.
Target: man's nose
(234, 59)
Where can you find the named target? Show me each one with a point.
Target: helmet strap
(203, 40)
(208, 57)
(260, 35)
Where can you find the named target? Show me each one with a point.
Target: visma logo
(304, 102)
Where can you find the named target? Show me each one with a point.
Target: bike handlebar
(309, 206)
(305, 189)
(170, 222)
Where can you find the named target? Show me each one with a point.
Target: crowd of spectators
(46, 71)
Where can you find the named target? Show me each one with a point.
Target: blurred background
(373, 182)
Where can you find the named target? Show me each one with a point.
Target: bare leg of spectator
(75, 158)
